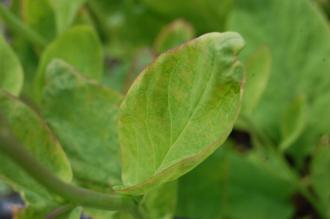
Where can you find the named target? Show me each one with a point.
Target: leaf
(258, 67)
(173, 34)
(320, 176)
(231, 185)
(161, 202)
(38, 15)
(32, 132)
(83, 115)
(299, 40)
(293, 122)
(79, 47)
(179, 110)
(205, 15)
(11, 72)
(65, 12)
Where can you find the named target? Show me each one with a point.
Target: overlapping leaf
(11, 72)
(83, 115)
(32, 132)
(299, 39)
(80, 47)
(179, 110)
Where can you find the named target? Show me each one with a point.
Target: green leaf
(320, 176)
(258, 67)
(231, 185)
(293, 122)
(11, 72)
(65, 12)
(38, 15)
(205, 15)
(32, 132)
(179, 110)
(79, 47)
(173, 34)
(299, 39)
(83, 115)
(160, 203)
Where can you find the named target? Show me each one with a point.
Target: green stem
(76, 195)
(15, 23)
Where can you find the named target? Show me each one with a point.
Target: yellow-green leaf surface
(173, 34)
(80, 47)
(83, 115)
(11, 72)
(179, 110)
(49, 212)
(299, 40)
(65, 12)
(32, 132)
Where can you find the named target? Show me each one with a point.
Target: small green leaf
(179, 110)
(11, 72)
(32, 132)
(320, 176)
(173, 34)
(258, 68)
(293, 122)
(53, 212)
(83, 115)
(79, 47)
(65, 12)
(160, 203)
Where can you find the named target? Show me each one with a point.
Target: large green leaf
(79, 47)
(173, 34)
(232, 185)
(61, 212)
(32, 132)
(65, 12)
(320, 176)
(83, 115)
(11, 72)
(299, 39)
(179, 110)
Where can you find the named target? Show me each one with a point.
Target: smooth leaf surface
(161, 202)
(205, 15)
(80, 47)
(38, 15)
(11, 72)
(293, 122)
(173, 34)
(83, 115)
(299, 28)
(231, 185)
(179, 110)
(32, 132)
(258, 68)
(65, 12)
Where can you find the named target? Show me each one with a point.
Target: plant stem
(15, 23)
(76, 195)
